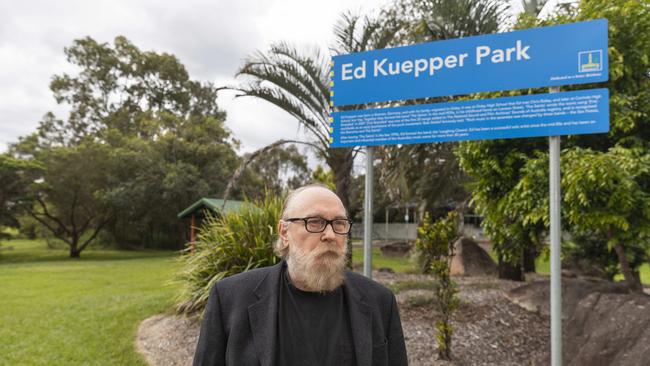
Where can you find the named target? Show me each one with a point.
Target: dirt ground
(489, 329)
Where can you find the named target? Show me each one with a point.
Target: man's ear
(282, 231)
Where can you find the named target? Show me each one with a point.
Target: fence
(402, 231)
(390, 231)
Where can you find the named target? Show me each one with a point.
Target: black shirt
(313, 327)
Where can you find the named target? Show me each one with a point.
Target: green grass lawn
(400, 265)
(61, 311)
(543, 266)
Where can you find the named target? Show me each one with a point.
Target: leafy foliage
(298, 82)
(435, 250)
(15, 178)
(166, 135)
(511, 176)
(275, 171)
(72, 197)
(429, 20)
(227, 245)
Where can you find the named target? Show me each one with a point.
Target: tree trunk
(340, 162)
(530, 254)
(508, 271)
(74, 252)
(342, 171)
(632, 281)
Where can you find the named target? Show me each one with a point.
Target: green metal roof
(212, 204)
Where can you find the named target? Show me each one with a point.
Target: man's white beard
(322, 270)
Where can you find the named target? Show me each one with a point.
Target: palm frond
(289, 85)
(290, 105)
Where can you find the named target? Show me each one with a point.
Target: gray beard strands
(316, 272)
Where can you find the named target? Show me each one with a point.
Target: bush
(434, 250)
(432, 241)
(227, 245)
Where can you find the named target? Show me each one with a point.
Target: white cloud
(212, 38)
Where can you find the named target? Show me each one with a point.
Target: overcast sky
(211, 38)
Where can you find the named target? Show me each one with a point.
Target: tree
(426, 173)
(434, 20)
(16, 176)
(495, 167)
(74, 186)
(122, 88)
(275, 172)
(603, 196)
(510, 193)
(324, 176)
(298, 83)
(164, 129)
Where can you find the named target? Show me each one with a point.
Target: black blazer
(240, 321)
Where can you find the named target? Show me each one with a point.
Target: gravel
(488, 328)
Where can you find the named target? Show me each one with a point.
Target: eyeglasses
(318, 224)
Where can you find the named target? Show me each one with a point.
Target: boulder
(609, 329)
(470, 259)
(535, 296)
(602, 323)
(395, 249)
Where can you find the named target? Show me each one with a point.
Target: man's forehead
(316, 201)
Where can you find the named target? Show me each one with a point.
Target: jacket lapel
(263, 316)
(361, 323)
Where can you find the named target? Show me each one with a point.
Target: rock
(602, 323)
(609, 329)
(569, 274)
(471, 260)
(535, 296)
(395, 249)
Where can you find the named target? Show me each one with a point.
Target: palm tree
(298, 83)
(433, 20)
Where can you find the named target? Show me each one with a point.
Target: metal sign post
(367, 216)
(556, 274)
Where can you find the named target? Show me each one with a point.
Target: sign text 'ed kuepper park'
(558, 55)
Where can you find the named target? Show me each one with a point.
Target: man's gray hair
(279, 248)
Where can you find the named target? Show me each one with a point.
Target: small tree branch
(46, 224)
(94, 235)
(242, 167)
(47, 214)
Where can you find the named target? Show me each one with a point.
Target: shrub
(433, 239)
(434, 249)
(227, 245)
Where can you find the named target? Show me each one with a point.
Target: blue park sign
(574, 53)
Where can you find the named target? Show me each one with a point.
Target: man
(306, 310)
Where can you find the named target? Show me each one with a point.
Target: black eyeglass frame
(327, 222)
